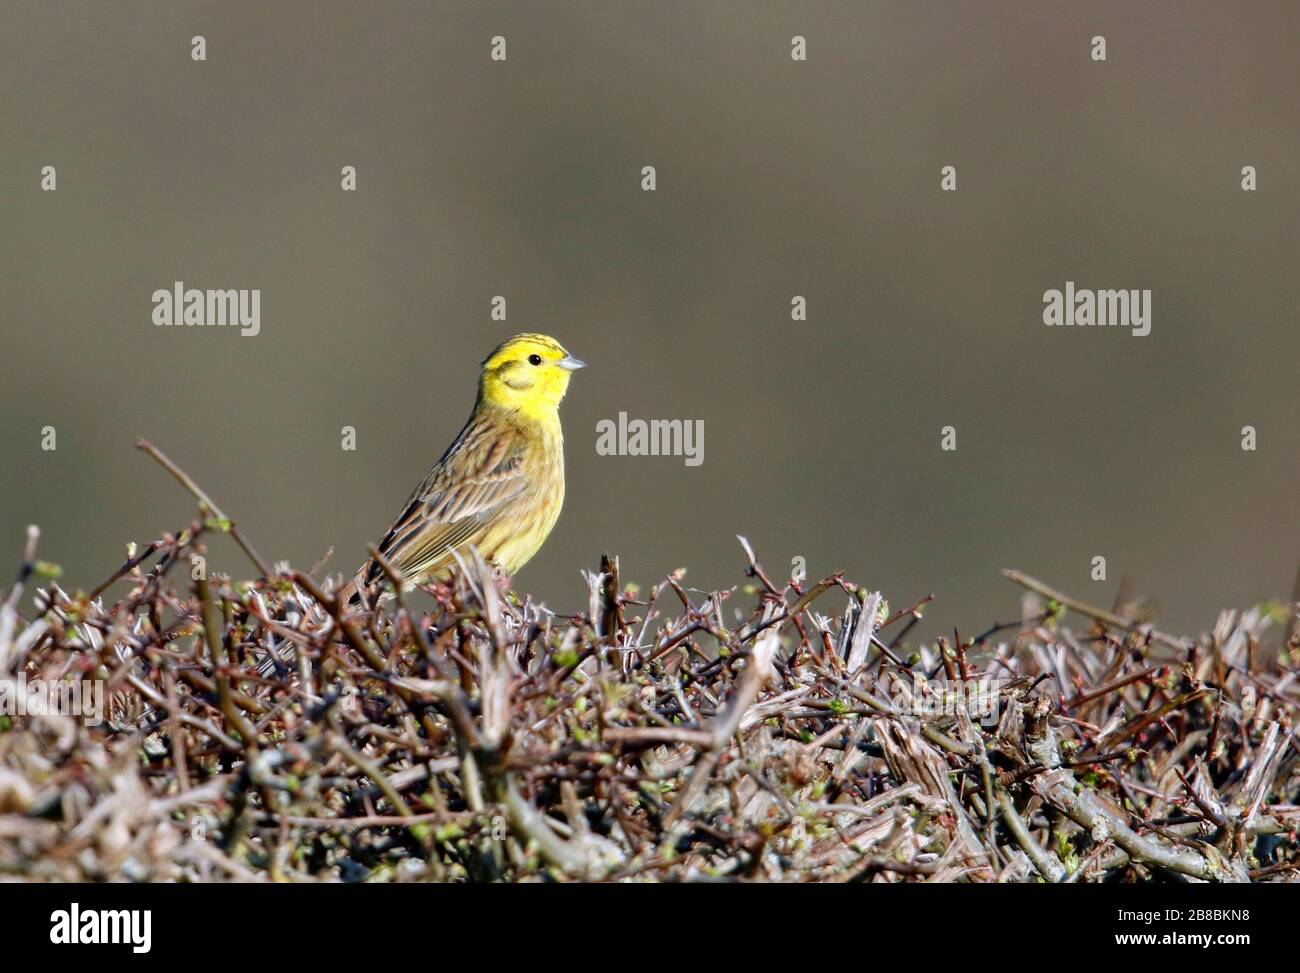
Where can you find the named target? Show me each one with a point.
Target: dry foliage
(256, 731)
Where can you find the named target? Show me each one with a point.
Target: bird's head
(528, 373)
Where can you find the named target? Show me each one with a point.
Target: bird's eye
(534, 359)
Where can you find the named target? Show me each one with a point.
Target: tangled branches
(259, 730)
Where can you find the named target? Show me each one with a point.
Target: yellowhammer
(500, 484)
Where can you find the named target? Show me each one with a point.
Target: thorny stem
(205, 503)
(1100, 614)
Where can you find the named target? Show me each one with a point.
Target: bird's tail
(350, 595)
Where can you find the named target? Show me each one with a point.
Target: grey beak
(571, 364)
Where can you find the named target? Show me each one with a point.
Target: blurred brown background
(776, 178)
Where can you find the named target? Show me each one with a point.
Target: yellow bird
(500, 484)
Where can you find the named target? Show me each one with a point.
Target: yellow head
(529, 374)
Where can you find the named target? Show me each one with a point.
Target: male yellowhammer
(500, 484)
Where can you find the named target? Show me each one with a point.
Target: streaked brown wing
(477, 477)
